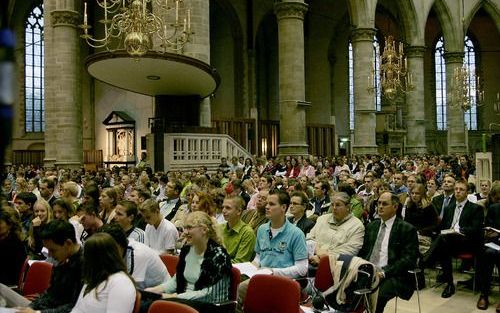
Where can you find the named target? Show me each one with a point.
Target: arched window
(376, 82)
(440, 72)
(470, 116)
(34, 72)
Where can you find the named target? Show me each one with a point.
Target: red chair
(22, 274)
(272, 294)
(161, 306)
(323, 279)
(37, 279)
(170, 262)
(137, 303)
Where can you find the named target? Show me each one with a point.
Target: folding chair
(170, 262)
(162, 306)
(37, 279)
(272, 294)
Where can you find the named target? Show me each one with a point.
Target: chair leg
(418, 293)
(396, 305)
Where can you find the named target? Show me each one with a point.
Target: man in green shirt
(238, 237)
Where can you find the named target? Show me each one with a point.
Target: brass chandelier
(138, 26)
(395, 79)
(465, 90)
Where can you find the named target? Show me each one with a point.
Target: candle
(185, 25)
(498, 96)
(85, 14)
(189, 20)
(166, 4)
(177, 12)
(105, 18)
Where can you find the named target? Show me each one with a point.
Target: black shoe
(448, 291)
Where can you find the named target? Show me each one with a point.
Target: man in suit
(448, 197)
(391, 245)
(461, 231)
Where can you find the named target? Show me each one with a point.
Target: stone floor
(463, 301)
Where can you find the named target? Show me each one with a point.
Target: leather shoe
(482, 303)
(498, 308)
(448, 291)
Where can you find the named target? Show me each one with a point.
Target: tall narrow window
(376, 82)
(470, 116)
(440, 72)
(34, 72)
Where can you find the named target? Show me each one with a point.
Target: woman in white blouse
(107, 286)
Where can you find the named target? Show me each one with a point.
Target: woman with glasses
(204, 269)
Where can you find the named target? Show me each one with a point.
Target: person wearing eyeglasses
(298, 203)
(391, 244)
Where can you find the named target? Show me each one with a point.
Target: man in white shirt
(143, 263)
(161, 234)
(126, 213)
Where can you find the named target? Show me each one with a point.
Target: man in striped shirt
(126, 212)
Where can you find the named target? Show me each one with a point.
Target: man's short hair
(90, 208)
(283, 197)
(50, 183)
(117, 232)
(58, 231)
(177, 186)
(302, 195)
(348, 189)
(237, 200)
(130, 207)
(27, 197)
(237, 183)
(150, 206)
(143, 193)
(72, 188)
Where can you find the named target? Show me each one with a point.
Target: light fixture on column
(395, 78)
(134, 25)
(465, 90)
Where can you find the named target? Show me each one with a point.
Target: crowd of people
(104, 231)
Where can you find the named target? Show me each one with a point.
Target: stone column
(67, 100)
(199, 48)
(415, 122)
(364, 102)
(290, 15)
(457, 130)
(51, 76)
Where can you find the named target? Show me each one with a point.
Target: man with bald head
(391, 244)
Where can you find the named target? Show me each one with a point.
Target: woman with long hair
(107, 286)
(11, 245)
(421, 213)
(107, 204)
(42, 214)
(204, 270)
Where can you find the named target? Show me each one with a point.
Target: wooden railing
(321, 139)
(93, 157)
(28, 157)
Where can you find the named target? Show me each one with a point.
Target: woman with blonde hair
(421, 213)
(203, 274)
(42, 214)
(202, 201)
(107, 286)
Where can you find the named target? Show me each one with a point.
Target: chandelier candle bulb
(185, 25)
(177, 12)
(85, 16)
(189, 19)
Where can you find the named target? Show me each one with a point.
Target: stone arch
(452, 34)
(361, 13)
(489, 7)
(409, 21)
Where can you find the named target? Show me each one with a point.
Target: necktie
(446, 202)
(375, 256)
(456, 216)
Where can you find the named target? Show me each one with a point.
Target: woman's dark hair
(92, 192)
(66, 205)
(11, 218)
(28, 198)
(101, 259)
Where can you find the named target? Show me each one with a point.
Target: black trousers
(443, 248)
(487, 259)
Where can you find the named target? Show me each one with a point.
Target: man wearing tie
(461, 231)
(391, 245)
(447, 198)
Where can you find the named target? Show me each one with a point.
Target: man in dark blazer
(298, 203)
(447, 198)
(391, 245)
(461, 232)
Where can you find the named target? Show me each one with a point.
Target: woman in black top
(11, 245)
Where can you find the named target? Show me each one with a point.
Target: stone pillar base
(69, 164)
(457, 149)
(416, 149)
(359, 150)
(49, 162)
(294, 149)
